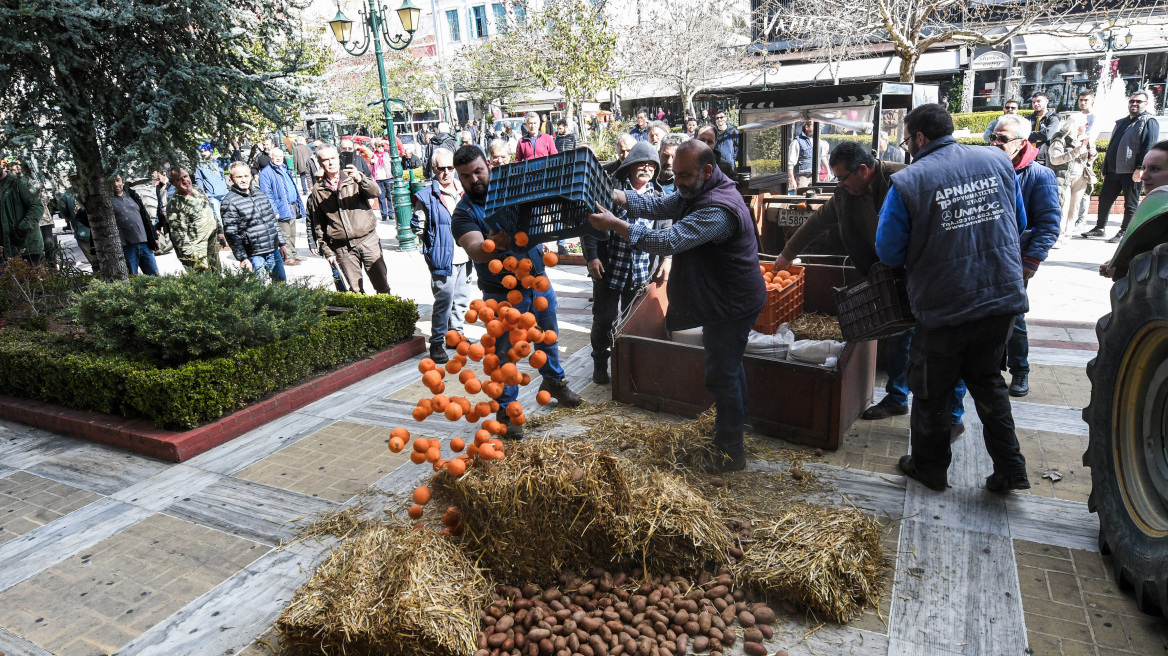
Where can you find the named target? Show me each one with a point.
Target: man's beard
(692, 192)
(666, 176)
(478, 190)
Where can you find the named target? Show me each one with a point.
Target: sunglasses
(443, 168)
(1137, 102)
(1001, 138)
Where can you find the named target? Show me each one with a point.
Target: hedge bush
(177, 319)
(68, 372)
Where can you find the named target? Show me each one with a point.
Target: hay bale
(388, 589)
(674, 529)
(827, 560)
(555, 505)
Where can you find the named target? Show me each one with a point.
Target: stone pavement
(103, 551)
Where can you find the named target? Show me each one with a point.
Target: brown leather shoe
(884, 409)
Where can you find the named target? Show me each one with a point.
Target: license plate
(788, 217)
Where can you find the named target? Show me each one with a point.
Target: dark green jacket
(20, 215)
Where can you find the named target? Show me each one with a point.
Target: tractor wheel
(1128, 420)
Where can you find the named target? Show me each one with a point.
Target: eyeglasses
(904, 144)
(1001, 138)
(845, 178)
(720, 118)
(443, 168)
(1137, 102)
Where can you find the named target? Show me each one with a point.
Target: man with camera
(344, 222)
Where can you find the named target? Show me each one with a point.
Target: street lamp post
(1106, 38)
(374, 29)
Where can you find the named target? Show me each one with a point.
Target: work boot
(720, 462)
(909, 468)
(1093, 232)
(438, 353)
(560, 392)
(1007, 482)
(514, 432)
(600, 371)
(886, 408)
(1117, 238)
(1018, 386)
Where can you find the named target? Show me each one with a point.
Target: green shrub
(977, 122)
(68, 372)
(176, 319)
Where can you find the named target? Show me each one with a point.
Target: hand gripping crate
(875, 307)
(782, 305)
(549, 198)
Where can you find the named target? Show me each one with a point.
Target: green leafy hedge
(59, 370)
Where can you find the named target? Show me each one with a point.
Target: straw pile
(674, 529)
(555, 505)
(829, 561)
(816, 326)
(657, 444)
(389, 589)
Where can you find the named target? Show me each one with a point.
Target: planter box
(799, 403)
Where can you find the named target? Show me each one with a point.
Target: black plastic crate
(875, 307)
(549, 198)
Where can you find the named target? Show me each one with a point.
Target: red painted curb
(142, 436)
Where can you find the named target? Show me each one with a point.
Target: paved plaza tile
(334, 463)
(28, 502)
(101, 599)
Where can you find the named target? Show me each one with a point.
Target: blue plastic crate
(549, 198)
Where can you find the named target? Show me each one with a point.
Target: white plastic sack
(770, 346)
(813, 351)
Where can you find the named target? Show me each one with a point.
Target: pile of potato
(607, 616)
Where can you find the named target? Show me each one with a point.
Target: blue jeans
(451, 299)
(546, 320)
(140, 255)
(386, 199)
(725, 343)
(271, 264)
(897, 387)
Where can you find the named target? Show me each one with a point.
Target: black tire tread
(1140, 562)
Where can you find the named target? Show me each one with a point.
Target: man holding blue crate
(468, 224)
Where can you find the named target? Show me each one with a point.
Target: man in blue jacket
(277, 184)
(1039, 187)
(952, 218)
(448, 262)
(210, 179)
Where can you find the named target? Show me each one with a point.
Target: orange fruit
(487, 452)
(494, 390)
(457, 444)
(488, 245)
(420, 414)
(416, 511)
(542, 284)
(528, 281)
(431, 378)
(453, 337)
(490, 363)
(456, 467)
(466, 375)
(517, 335)
(440, 389)
(492, 305)
(537, 360)
(508, 370)
(417, 457)
(473, 386)
(426, 365)
(495, 266)
(515, 296)
(464, 402)
(525, 265)
(475, 352)
(540, 303)
(518, 421)
(527, 320)
(482, 409)
(549, 337)
(509, 282)
(534, 335)
(543, 398)
(396, 445)
(482, 436)
(520, 239)
(426, 404)
(494, 405)
(452, 366)
(524, 379)
(462, 349)
(453, 412)
(421, 444)
(400, 432)
(440, 402)
(422, 495)
(550, 259)
(510, 263)
(514, 409)
(434, 454)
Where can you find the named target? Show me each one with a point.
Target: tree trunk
(908, 64)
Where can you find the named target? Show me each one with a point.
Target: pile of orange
(500, 318)
(778, 280)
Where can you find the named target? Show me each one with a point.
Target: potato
(701, 643)
(729, 637)
(752, 635)
(692, 628)
(754, 649)
(716, 592)
(767, 632)
(763, 614)
(504, 623)
(746, 619)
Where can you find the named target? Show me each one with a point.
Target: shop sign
(990, 60)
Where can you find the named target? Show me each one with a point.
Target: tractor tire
(1128, 420)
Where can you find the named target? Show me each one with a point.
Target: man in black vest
(714, 283)
(952, 219)
(1123, 164)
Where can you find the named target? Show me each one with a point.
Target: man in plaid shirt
(617, 269)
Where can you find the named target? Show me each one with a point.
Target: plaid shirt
(627, 267)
